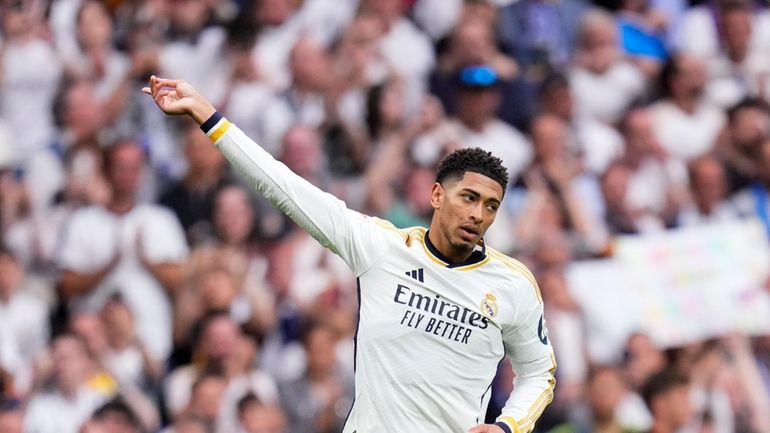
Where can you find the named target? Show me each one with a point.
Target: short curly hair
(475, 159)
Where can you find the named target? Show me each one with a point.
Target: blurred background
(144, 288)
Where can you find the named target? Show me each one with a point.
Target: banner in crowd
(678, 286)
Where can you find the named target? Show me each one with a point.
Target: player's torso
(428, 342)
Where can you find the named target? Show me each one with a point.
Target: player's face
(465, 209)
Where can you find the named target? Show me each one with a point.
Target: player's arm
(347, 233)
(532, 357)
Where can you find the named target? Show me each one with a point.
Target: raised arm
(358, 239)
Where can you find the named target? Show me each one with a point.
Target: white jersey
(430, 334)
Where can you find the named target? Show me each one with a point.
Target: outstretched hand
(179, 97)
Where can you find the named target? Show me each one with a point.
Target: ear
(436, 195)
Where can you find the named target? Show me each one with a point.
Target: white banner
(679, 286)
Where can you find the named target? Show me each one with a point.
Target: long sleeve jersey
(430, 333)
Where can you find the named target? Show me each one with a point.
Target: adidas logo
(416, 274)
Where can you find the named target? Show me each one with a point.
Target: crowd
(144, 288)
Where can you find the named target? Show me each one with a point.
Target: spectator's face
(217, 290)
(91, 329)
(233, 215)
(472, 43)
(674, 407)
(320, 350)
(420, 180)
(206, 399)
(465, 208)
(301, 151)
(736, 30)
(125, 170)
(70, 361)
(201, 155)
(220, 339)
(558, 101)
(554, 287)
(690, 80)
(84, 113)
(476, 107)
(11, 421)
(643, 359)
(310, 65)
(549, 136)
(95, 26)
(605, 392)
(16, 21)
(709, 183)
(640, 135)
(392, 104)
(615, 186)
(11, 274)
(600, 45)
(189, 16)
(748, 127)
(764, 156)
(261, 418)
(118, 322)
(274, 12)
(189, 426)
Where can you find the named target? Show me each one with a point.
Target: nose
(477, 213)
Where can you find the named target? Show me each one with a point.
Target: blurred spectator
(685, 123)
(113, 417)
(605, 389)
(753, 200)
(187, 424)
(192, 198)
(304, 101)
(23, 324)
(699, 31)
(319, 400)
(206, 400)
(709, 190)
(478, 97)
(740, 70)
(748, 126)
(68, 402)
(604, 84)
(541, 35)
(221, 349)
(255, 416)
(594, 143)
(667, 396)
(31, 72)
(132, 248)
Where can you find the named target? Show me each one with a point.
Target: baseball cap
(478, 76)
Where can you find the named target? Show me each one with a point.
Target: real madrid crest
(489, 305)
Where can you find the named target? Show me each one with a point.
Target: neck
(442, 245)
(121, 204)
(686, 103)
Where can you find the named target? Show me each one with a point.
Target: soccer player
(439, 309)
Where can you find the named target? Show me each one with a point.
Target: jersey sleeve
(360, 240)
(532, 358)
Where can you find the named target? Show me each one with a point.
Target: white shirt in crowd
(683, 135)
(31, 72)
(500, 138)
(52, 412)
(23, 336)
(606, 96)
(91, 240)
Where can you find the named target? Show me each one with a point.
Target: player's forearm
(532, 393)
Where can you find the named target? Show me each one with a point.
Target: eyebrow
(476, 194)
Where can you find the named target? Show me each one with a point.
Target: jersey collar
(477, 257)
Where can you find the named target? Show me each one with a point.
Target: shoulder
(515, 271)
(405, 235)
